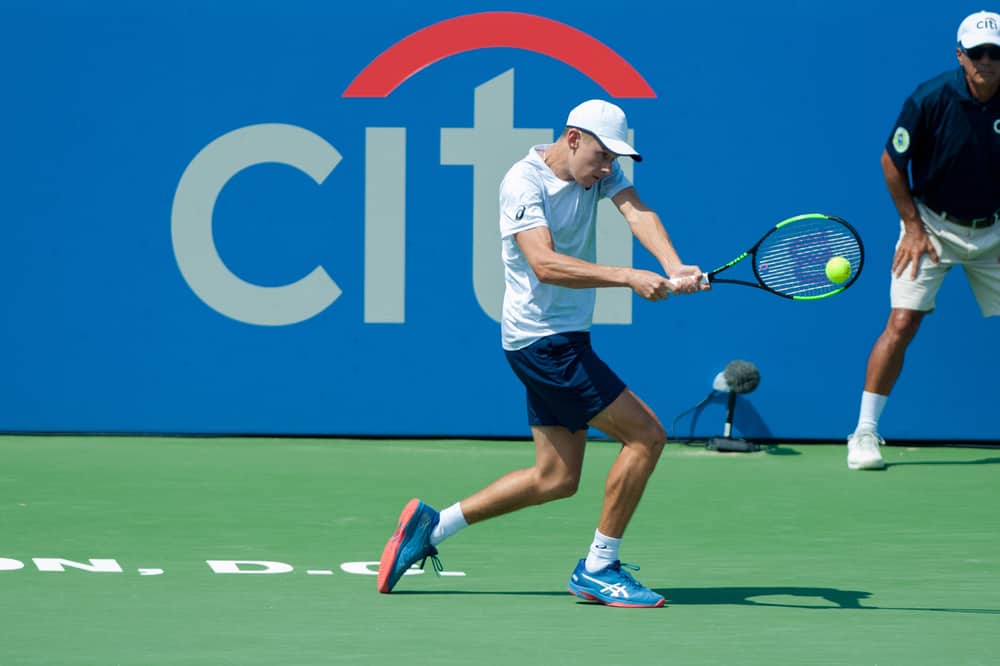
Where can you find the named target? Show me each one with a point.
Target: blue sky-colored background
(762, 112)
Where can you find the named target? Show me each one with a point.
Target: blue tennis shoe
(409, 544)
(613, 586)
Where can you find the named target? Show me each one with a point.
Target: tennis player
(948, 134)
(548, 208)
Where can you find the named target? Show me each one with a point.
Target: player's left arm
(647, 227)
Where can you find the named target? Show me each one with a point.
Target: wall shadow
(747, 421)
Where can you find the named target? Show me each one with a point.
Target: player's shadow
(751, 596)
(981, 461)
(813, 598)
(489, 593)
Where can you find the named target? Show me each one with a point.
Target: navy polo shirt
(951, 142)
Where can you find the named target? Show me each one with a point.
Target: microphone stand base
(726, 444)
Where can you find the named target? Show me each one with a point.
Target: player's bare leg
(555, 475)
(601, 576)
(885, 363)
(886, 359)
(629, 420)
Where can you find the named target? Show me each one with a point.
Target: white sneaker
(863, 451)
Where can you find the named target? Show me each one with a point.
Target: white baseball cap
(606, 122)
(979, 28)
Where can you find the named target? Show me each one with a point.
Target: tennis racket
(791, 259)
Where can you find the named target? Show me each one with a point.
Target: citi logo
(489, 146)
(987, 24)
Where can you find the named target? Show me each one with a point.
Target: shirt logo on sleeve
(520, 213)
(901, 140)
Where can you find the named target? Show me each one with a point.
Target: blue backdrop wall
(280, 217)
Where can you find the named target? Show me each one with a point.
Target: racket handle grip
(677, 282)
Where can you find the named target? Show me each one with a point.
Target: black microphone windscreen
(741, 376)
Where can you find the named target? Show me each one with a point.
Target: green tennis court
(140, 550)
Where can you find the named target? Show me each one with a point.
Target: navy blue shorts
(567, 384)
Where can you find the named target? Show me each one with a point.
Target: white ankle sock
(603, 551)
(872, 405)
(452, 520)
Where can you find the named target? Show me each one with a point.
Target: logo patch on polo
(901, 140)
(520, 213)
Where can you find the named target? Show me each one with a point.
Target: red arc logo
(499, 30)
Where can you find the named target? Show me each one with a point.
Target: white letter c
(191, 224)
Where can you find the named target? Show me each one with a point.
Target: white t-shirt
(532, 196)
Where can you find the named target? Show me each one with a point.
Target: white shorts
(976, 250)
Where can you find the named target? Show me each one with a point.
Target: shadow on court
(744, 596)
(491, 593)
(777, 450)
(981, 461)
(736, 596)
(748, 596)
(765, 449)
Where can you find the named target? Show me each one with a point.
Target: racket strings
(792, 260)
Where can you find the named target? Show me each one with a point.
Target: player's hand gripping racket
(806, 257)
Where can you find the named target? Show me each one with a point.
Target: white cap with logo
(606, 122)
(979, 28)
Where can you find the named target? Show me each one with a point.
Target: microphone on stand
(738, 377)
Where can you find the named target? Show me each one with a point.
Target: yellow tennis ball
(838, 269)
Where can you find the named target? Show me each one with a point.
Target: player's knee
(567, 486)
(656, 449)
(560, 486)
(655, 439)
(903, 325)
(651, 441)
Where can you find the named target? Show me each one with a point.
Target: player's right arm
(552, 267)
(914, 242)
